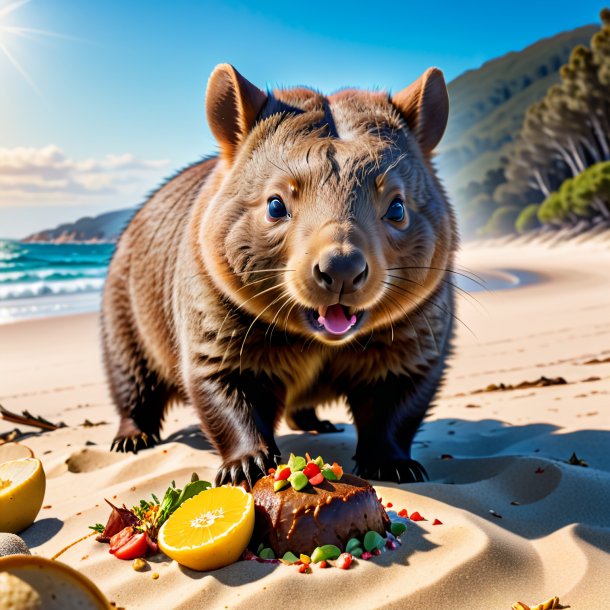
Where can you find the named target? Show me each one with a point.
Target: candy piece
(323, 553)
(366, 555)
(261, 546)
(323, 564)
(437, 522)
(290, 557)
(319, 462)
(416, 517)
(298, 480)
(373, 540)
(403, 513)
(337, 470)
(296, 462)
(389, 505)
(344, 561)
(397, 528)
(352, 543)
(306, 559)
(303, 568)
(311, 470)
(282, 473)
(277, 485)
(267, 553)
(318, 479)
(357, 552)
(391, 545)
(329, 473)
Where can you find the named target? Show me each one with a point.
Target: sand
(504, 451)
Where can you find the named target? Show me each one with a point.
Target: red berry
(416, 517)
(376, 552)
(437, 522)
(317, 479)
(282, 475)
(303, 569)
(366, 555)
(311, 470)
(403, 513)
(389, 505)
(323, 564)
(344, 561)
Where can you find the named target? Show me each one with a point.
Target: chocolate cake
(331, 512)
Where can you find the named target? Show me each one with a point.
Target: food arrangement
(306, 512)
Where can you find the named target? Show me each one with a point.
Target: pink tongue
(335, 321)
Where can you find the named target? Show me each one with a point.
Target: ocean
(41, 280)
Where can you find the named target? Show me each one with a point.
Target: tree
(528, 219)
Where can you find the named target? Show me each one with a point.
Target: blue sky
(117, 101)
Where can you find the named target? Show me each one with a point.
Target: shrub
(528, 219)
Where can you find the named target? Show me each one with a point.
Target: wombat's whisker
(445, 311)
(396, 302)
(463, 293)
(241, 349)
(230, 312)
(261, 271)
(276, 316)
(472, 277)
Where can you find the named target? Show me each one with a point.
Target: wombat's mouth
(335, 321)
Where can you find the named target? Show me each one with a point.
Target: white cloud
(41, 176)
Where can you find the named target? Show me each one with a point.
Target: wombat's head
(327, 219)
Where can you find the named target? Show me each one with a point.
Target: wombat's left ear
(425, 106)
(232, 105)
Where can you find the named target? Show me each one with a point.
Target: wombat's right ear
(232, 105)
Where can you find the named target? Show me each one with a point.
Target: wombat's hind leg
(306, 419)
(140, 397)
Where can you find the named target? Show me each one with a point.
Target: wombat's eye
(276, 208)
(396, 210)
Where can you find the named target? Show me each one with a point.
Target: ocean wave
(11, 277)
(9, 292)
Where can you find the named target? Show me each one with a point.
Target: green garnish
(323, 553)
(329, 475)
(397, 528)
(298, 480)
(373, 541)
(296, 463)
(290, 557)
(98, 527)
(267, 553)
(277, 485)
(353, 543)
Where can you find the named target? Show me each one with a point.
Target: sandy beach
(518, 521)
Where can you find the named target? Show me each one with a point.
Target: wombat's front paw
(397, 471)
(134, 442)
(248, 469)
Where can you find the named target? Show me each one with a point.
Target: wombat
(310, 260)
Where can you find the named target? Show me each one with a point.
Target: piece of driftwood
(27, 419)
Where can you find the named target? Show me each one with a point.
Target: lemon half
(22, 486)
(210, 530)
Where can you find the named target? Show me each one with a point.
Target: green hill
(488, 105)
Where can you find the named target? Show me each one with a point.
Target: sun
(8, 31)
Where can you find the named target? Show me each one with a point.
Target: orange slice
(22, 486)
(210, 530)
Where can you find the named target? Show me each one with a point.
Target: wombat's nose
(341, 272)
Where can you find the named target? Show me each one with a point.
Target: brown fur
(205, 297)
